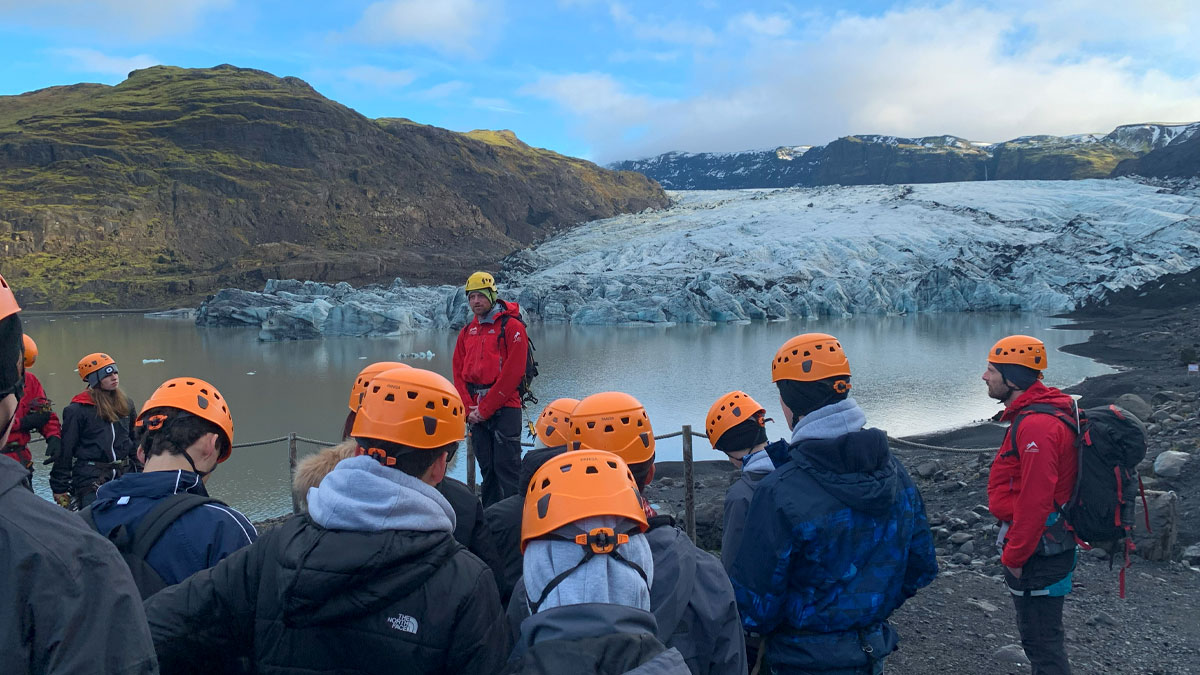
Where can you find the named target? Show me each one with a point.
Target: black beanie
(1021, 377)
(12, 377)
(804, 397)
(743, 435)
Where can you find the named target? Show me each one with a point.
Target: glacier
(777, 254)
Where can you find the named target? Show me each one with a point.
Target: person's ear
(141, 455)
(437, 471)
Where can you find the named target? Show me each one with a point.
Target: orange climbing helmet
(1021, 350)
(810, 357)
(193, 395)
(8, 301)
(552, 425)
(364, 378)
(729, 411)
(96, 367)
(413, 407)
(615, 422)
(30, 351)
(577, 485)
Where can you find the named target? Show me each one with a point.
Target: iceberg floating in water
(145, 361)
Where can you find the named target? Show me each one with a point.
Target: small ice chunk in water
(145, 361)
(253, 372)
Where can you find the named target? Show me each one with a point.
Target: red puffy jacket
(1026, 487)
(34, 395)
(482, 359)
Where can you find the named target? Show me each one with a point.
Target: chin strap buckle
(602, 540)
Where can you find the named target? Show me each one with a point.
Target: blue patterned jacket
(836, 539)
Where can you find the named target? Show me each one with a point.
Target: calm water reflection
(912, 374)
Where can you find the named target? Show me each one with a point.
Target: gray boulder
(1136, 405)
(1170, 463)
(1159, 542)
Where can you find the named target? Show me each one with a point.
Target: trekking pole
(689, 499)
(291, 437)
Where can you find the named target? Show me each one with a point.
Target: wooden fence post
(689, 499)
(292, 470)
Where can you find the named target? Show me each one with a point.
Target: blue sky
(619, 79)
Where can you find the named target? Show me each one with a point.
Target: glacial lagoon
(912, 374)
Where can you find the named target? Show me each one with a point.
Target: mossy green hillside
(185, 175)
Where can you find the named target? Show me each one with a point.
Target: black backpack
(1110, 442)
(531, 366)
(135, 546)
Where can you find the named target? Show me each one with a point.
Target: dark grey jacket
(593, 639)
(737, 503)
(68, 604)
(691, 599)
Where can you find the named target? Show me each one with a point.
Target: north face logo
(1032, 447)
(403, 622)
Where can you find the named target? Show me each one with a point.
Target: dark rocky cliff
(177, 182)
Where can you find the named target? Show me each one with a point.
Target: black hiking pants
(497, 443)
(1040, 617)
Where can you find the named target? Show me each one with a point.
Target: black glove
(33, 420)
(53, 447)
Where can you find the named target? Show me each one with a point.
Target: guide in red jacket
(33, 414)
(489, 364)
(1032, 475)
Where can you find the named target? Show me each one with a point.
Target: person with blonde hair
(97, 435)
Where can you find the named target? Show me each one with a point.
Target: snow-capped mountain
(743, 255)
(873, 159)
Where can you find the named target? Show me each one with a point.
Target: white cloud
(93, 61)
(653, 28)
(442, 90)
(495, 105)
(457, 26)
(629, 56)
(137, 19)
(911, 72)
(772, 25)
(381, 78)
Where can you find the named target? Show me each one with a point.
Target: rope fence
(292, 439)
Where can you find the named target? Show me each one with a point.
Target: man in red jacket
(33, 414)
(489, 364)
(1033, 475)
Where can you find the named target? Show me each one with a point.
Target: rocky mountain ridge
(178, 182)
(875, 159)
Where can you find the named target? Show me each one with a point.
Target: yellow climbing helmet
(480, 281)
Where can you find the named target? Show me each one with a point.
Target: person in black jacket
(589, 566)
(691, 598)
(504, 517)
(97, 435)
(66, 587)
(370, 579)
(470, 529)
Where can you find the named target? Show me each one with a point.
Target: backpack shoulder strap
(1038, 408)
(155, 523)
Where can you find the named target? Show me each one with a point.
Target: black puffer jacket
(593, 639)
(68, 603)
(470, 527)
(304, 599)
(504, 520)
(93, 450)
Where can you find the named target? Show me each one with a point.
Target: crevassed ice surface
(738, 255)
